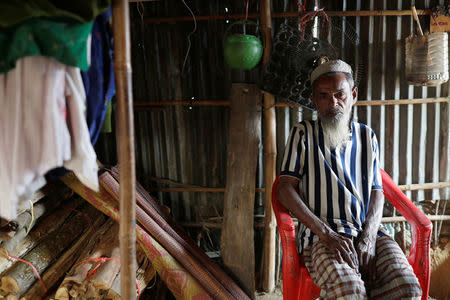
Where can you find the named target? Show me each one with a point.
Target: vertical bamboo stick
(125, 146)
(270, 155)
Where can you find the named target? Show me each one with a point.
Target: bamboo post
(270, 156)
(125, 147)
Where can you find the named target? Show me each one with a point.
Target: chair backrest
(297, 284)
(419, 256)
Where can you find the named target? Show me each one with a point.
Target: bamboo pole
(425, 186)
(270, 157)
(196, 190)
(183, 103)
(260, 224)
(125, 146)
(286, 104)
(360, 13)
(406, 187)
(402, 219)
(214, 225)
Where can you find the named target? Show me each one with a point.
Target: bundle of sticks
(162, 227)
(97, 275)
(45, 243)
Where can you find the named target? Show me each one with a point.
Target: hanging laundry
(67, 42)
(42, 127)
(99, 79)
(13, 12)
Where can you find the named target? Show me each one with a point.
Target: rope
(34, 270)
(100, 261)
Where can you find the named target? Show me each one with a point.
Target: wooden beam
(237, 245)
(183, 103)
(360, 13)
(286, 104)
(270, 157)
(260, 224)
(125, 146)
(424, 186)
(201, 189)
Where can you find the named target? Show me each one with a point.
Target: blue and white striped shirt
(335, 184)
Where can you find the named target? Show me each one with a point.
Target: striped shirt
(335, 184)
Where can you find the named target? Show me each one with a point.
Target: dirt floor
(440, 272)
(275, 295)
(440, 275)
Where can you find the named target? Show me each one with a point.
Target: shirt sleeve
(294, 154)
(376, 180)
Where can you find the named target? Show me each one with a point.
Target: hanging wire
(189, 36)
(141, 10)
(246, 11)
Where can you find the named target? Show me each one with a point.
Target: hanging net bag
(298, 46)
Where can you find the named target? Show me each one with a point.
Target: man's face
(333, 97)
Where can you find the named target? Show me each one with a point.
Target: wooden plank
(125, 145)
(237, 245)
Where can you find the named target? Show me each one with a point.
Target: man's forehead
(333, 82)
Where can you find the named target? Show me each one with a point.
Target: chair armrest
(421, 226)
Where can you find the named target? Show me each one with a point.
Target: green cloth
(13, 12)
(65, 41)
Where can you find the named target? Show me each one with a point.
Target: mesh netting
(295, 54)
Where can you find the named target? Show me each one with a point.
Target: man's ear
(355, 94)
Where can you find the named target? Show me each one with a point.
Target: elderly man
(330, 180)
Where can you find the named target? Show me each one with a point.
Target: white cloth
(36, 98)
(331, 66)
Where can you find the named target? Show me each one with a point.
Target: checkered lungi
(395, 278)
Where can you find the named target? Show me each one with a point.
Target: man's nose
(333, 100)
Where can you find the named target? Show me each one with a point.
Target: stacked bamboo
(58, 224)
(163, 228)
(54, 236)
(180, 282)
(91, 279)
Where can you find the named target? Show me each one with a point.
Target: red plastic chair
(298, 285)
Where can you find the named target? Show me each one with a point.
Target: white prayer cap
(337, 65)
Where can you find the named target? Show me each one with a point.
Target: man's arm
(366, 242)
(289, 198)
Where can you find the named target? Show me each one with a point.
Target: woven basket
(427, 59)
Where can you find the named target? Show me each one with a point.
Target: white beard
(336, 130)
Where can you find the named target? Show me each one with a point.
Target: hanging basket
(242, 51)
(427, 59)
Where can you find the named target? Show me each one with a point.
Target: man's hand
(365, 248)
(343, 248)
